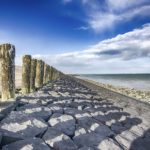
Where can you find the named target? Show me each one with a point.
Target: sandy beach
(131, 92)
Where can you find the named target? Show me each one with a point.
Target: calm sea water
(137, 81)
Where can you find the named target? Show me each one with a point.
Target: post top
(6, 46)
(34, 59)
(7, 50)
(27, 56)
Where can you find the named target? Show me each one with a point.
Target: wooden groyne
(35, 73)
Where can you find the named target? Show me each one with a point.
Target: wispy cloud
(124, 4)
(105, 16)
(83, 28)
(101, 21)
(121, 53)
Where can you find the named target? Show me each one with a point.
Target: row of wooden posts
(35, 73)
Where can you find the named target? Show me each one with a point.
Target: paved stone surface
(66, 115)
(19, 126)
(28, 144)
(58, 140)
(64, 123)
(36, 111)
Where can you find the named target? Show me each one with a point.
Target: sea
(136, 81)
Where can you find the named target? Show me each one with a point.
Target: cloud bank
(125, 53)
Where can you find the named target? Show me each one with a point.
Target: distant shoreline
(131, 92)
(140, 82)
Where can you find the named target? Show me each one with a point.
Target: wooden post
(39, 73)
(45, 73)
(42, 69)
(49, 74)
(26, 72)
(7, 60)
(33, 75)
(52, 73)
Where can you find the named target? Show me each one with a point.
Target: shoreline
(140, 95)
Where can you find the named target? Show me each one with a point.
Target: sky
(80, 36)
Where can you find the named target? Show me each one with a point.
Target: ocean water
(137, 81)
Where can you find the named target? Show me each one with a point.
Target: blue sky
(80, 36)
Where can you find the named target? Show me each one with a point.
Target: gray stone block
(58, 140)
(56, 108)
(86, 148)
(27, 144)
(21, 126)
(64, 123)
(109, 144)
(36, 111)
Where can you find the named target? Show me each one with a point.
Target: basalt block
(63, 123)
(18, 126)
(27, 144)
(58, 140)
(35, 110)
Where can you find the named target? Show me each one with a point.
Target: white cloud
(127, 52)
(107, 15)
(101, 21)
(98, 21)
(124, 4)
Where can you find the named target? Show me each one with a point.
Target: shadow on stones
(142, 143)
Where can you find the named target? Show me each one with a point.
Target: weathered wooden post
(33, 75)
(39, 73)
(26, 72)
(42, 71)
(45, 80)
(55, 74)
(52, 73)
(49, 74)
(7, 57)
